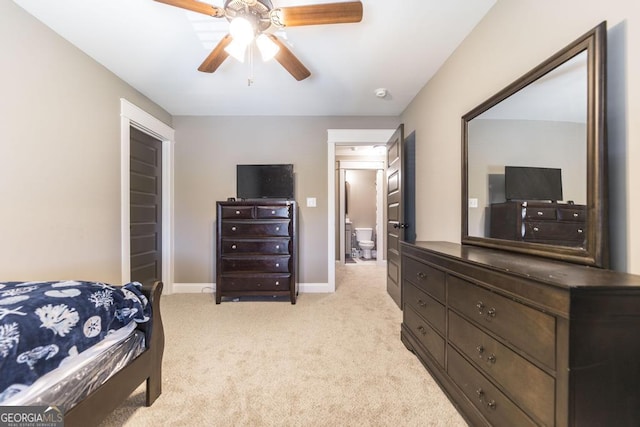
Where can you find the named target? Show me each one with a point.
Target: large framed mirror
(534, 160)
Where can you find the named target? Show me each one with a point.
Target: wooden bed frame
(146, 367)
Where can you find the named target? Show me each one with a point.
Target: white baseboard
(314, 288)
(199, 288)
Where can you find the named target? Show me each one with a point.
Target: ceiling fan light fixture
(242, 30)
(253, 21)
(268, 49)
(236, 49)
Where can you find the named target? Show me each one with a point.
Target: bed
(83, 346)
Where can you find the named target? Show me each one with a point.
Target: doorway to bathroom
(336, 139)
(360, 204)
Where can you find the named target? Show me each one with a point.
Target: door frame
(131, 115)
(343, 137)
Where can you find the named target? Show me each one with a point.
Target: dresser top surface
(557, 273)
(257, 202)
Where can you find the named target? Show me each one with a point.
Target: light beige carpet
(330, 360)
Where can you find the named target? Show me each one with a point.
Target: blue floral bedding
(44, 323)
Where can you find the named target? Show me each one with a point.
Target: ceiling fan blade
(317, 14)
(195, 6)
(289, 61)
(216, 57)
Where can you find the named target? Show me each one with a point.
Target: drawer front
(427, 336)
(255, 283)
(274, 264)
(539, 230)
(272, 211)
(528, 385)
(243, 212)
(425, 277)
(494, 406)
(265, 246)
(264, 228)
(528, 329)
(576, 213)
(426, 306)
(541, 213)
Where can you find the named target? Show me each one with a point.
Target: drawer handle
(237, 212)
(259, 284)
(422, 303)
(480, 349)
(273, 212)
(579, 230)
(277, 264)
(540, 213)
(536, 229)
(491, 358)
(422, 330)
(490, 404)
(277, 283)
(277, 228)
(490, 313)
(421, 275)
(233, 228)
(575, 215)
(277, 246)
(233, 246)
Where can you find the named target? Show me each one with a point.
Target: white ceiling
(157, 49)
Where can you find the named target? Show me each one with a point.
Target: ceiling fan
(254, 20)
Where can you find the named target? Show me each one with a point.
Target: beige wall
(515, 36)
(206, 153)
(59, 156)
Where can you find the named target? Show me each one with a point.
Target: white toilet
(363, 236)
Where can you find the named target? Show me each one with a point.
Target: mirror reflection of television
(264, 181)
(532, 183)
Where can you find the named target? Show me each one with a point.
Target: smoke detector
(381, 92)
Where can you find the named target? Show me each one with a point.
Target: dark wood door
(395, 223)
(145, 203)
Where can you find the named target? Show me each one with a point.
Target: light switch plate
(473, 203)
(311, 202)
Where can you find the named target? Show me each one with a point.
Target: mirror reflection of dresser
(539, 222)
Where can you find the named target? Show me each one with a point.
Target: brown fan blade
(216, 57)
(289, 61)
(195, 6)
(329, 13)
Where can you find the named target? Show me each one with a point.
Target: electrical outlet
(311, 202)
(473, 203)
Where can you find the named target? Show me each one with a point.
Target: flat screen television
(531, 183)
(264, 181)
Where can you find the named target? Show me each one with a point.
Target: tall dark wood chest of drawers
(517, 340)
(256, 249)
(539, 222)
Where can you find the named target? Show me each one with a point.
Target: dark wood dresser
(256, 249)
(538, 222)
(517, 340)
